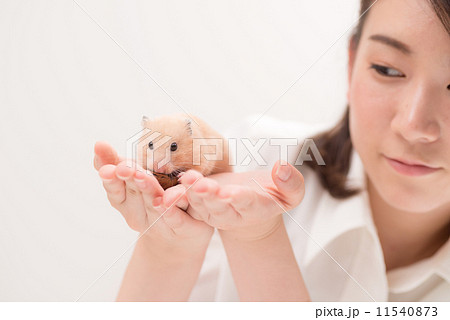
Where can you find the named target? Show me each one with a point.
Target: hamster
(176, 143)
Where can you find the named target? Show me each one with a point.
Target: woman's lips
(410, 170)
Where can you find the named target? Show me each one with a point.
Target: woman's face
(399, 101)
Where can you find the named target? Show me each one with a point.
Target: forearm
(265, 269)
(157, 273)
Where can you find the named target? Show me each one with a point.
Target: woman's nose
(417, 119)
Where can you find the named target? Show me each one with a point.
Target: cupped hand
(246, 204)
(146, 207)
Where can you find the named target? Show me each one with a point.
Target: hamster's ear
(189, 126)
(144, 120)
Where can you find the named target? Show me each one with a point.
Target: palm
(238, 200)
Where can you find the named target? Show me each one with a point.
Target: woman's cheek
(367, 113)
(370, 114)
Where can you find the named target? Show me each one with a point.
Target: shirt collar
(407, 278)
(355, 212)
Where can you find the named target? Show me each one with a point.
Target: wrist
(254, 232)
(174, 250)
(265, 269)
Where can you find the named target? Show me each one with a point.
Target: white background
(64, 84)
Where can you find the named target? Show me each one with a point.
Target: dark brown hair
(335, 145)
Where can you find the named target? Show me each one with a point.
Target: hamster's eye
(150, 145)
(173, 146)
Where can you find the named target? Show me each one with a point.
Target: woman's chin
(408, 197)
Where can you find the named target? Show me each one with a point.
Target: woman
(390, 239)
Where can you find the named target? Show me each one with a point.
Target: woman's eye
(173, 146)
(150, 145)
(386, 71)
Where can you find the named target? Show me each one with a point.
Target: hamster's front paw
(180, 174)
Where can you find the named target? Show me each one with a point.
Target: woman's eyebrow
(392, 42)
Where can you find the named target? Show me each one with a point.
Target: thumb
(289, 182)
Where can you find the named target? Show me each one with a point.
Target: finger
(188, 180)
(219, 212)
(136, 215)
(197, 207)
(180, 222)
(201, 190)
(104, 154)
(115, 188)
(148, 185)
(150, 190)
(126, 173)
(289, 182)
(190, 177)
(178, 195)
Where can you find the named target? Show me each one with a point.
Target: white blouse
(334, 241)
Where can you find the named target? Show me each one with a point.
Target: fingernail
(157, 202)
(121, 177)
(283, 172)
